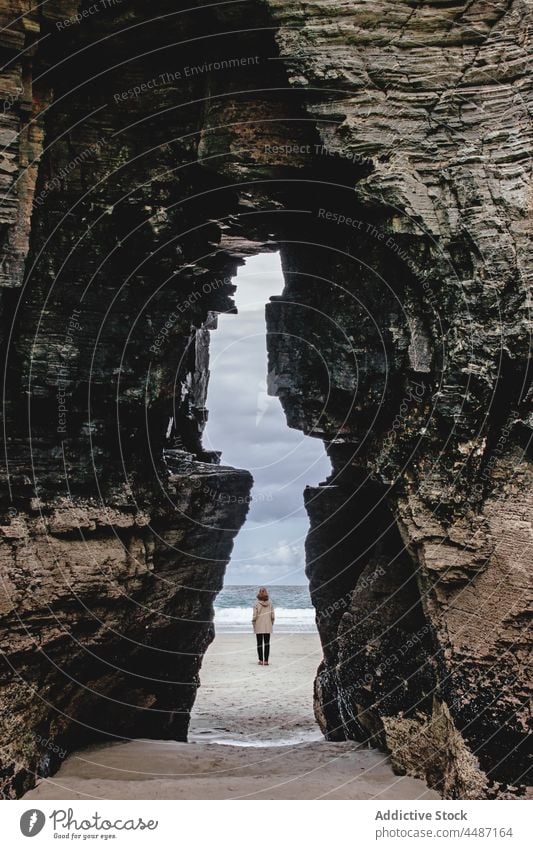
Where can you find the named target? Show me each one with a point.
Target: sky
(250, 429)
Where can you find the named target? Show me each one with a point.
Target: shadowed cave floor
(253, 707)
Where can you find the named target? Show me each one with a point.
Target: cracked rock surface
(384, 149)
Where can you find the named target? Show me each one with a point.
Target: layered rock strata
(426, 406)
(383, 150)
(117, 525)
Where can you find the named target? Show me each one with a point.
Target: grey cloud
(249, 428)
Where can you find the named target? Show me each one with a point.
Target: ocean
(294, 611)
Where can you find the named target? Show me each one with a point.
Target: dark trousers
(263, 646)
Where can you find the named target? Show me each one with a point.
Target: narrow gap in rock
(240, 702)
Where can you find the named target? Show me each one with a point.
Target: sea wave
(251, 741)
(288, 619)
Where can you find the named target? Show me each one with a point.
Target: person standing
(262, 621)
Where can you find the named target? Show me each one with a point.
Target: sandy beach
(252, 736)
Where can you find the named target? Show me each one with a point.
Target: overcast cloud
(250, 429)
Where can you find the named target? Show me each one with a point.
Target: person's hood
(264, 603)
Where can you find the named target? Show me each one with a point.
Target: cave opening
(247, 428)
(292, 359)
(127, 204)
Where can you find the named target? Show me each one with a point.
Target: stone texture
(434, 98)
(116, 525)
(383, 148)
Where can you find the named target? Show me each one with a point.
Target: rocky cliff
(419, 554)
(383, 149)
(117, 526)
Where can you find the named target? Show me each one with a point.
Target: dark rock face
(116, 526)
(383, 151)
(423, 396)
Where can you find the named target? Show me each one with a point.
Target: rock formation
(421, 577)
(383, 149)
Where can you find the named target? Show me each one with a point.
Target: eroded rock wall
(424, 283)
(116, 524)
(383, 149)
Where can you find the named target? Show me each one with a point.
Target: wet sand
(253, 736)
